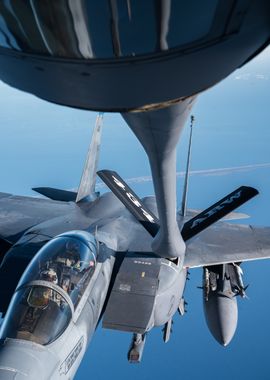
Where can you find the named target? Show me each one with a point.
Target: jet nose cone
(221, 315)
(10, 374)
(21, 360)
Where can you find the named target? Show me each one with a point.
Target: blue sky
(45, 145)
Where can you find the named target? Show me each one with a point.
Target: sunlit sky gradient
(45, 145)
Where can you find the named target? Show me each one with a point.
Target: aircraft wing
(226, 243)
(18, 213)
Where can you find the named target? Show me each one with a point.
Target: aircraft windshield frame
(39, 284)
(42, 322)
(51, 288)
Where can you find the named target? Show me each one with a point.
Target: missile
(167, 331)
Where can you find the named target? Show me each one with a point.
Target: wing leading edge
(226, 243)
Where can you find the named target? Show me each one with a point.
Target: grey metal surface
(131, 201)
(25, 212)
(222, 242)
(59, 54)
(131, 302)
(153, 301)
(56, 194)
(61, 358)
(221, 314)
(220, 301)
(158, 132)
(21, 355)
(149, 49)
(117, 228)
(186, 181)
(88, 179)
(147, 290)
(225, 243)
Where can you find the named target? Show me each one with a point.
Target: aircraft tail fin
(132, 202)
(88, 179)
(185, 190)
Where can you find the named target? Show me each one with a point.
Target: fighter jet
(76, 258)
(148, 60)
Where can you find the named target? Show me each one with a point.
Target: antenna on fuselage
(88, 179)
(185, 190)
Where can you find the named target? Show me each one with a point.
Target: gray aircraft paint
(87, 187)
(146, 67)
(159, 132)
(117, 231)
(120, 231)
(131, 238)
(155, 77)
(60, 359)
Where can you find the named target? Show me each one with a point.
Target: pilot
(40, 297)
(66, 284)
(71, 255)
(49, 275)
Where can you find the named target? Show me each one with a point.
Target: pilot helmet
(73, 247)
(49, 275)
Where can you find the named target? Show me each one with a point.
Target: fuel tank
(220, 304)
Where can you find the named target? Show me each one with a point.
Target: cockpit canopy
(51, 288)
(66, 261)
